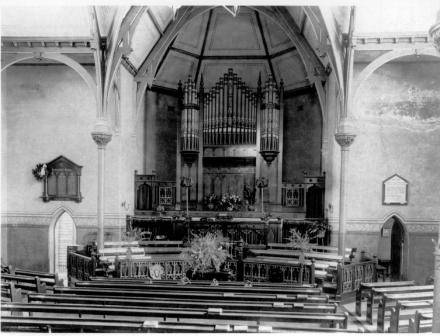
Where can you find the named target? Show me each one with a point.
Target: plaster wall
(397, 120)
(302, 137)
(161, 135)
(49, 111)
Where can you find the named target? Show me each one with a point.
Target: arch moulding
(71, 63)
(385, 58)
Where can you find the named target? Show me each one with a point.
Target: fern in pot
(206, 256)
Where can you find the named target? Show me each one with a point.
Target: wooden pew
(68, 324)
(26, 283)
(194, 295)
(422, 322)
(389, 298)
(205, 283)
(241, 305)
(211, 314)
(10, 293)
(191, 287)
(366, 288)
(404, 310)
(50, 279)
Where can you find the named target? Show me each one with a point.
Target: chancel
(221, 168)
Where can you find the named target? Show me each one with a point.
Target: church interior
(220, 168)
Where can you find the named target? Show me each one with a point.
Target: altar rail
(79, 266)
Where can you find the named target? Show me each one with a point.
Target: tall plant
(206, 252)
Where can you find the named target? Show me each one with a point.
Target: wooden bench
(10, 293)
(213, 314)
(26, 283)
(240, 305)
(365, 290)
(388, 298)
(205, 283)
(50, 279)
(314, 248)
(193, 287)
(404, 310)
(194, 295)
(66, 324)
(422, 322)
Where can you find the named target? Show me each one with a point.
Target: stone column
(344, 140)
(102, 136)
(436, 304)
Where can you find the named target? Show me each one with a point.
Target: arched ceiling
(249, 43)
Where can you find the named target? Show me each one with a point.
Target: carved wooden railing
(351, 275)
(79, 266)
(173, 268)
(259, 270)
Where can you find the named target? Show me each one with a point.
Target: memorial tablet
(395, 191)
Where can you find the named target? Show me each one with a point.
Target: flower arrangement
(41, 171)
(206, 253)
(230, 202)
(132, 235)
(211, 201)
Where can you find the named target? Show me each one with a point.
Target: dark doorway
(397, 241)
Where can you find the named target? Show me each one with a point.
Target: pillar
(102, 136)
(344, 140)
(436, 304)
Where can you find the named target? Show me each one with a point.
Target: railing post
(312, 271)
(339, 279)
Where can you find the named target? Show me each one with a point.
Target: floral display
(227, 202)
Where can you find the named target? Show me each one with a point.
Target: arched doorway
(64, 234)
(392, 251)
(397, 244)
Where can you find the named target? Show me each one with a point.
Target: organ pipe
(270, 117)
(190, 122)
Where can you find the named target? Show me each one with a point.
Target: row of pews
(407, 305)
(176, 306)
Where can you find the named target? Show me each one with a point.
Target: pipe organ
(229, 130)
(230, 113)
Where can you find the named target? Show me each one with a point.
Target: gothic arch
(55, 217)
(385, 58)
(71, 63)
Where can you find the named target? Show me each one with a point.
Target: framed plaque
(395, 191)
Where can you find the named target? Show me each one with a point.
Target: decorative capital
(101, 134)
(344, 140)
(101, 138)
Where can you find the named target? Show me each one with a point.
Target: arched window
(64, 235)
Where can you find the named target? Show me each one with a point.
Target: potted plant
(206, 255)
(299, 242)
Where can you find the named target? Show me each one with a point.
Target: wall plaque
(395, 191)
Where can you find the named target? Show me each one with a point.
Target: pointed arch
(71, 63)
(56, 216)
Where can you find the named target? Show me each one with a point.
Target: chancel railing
(260, 270)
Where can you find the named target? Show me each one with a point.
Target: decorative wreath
(41, 171)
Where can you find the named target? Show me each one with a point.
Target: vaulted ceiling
(250, 43)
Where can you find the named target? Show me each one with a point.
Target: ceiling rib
(202, 52)
(260, 27)
(155, 22)
(164, 57)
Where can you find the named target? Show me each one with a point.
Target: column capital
(101, 134)
(344, 139)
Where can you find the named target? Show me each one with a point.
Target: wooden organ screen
(229, 113)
